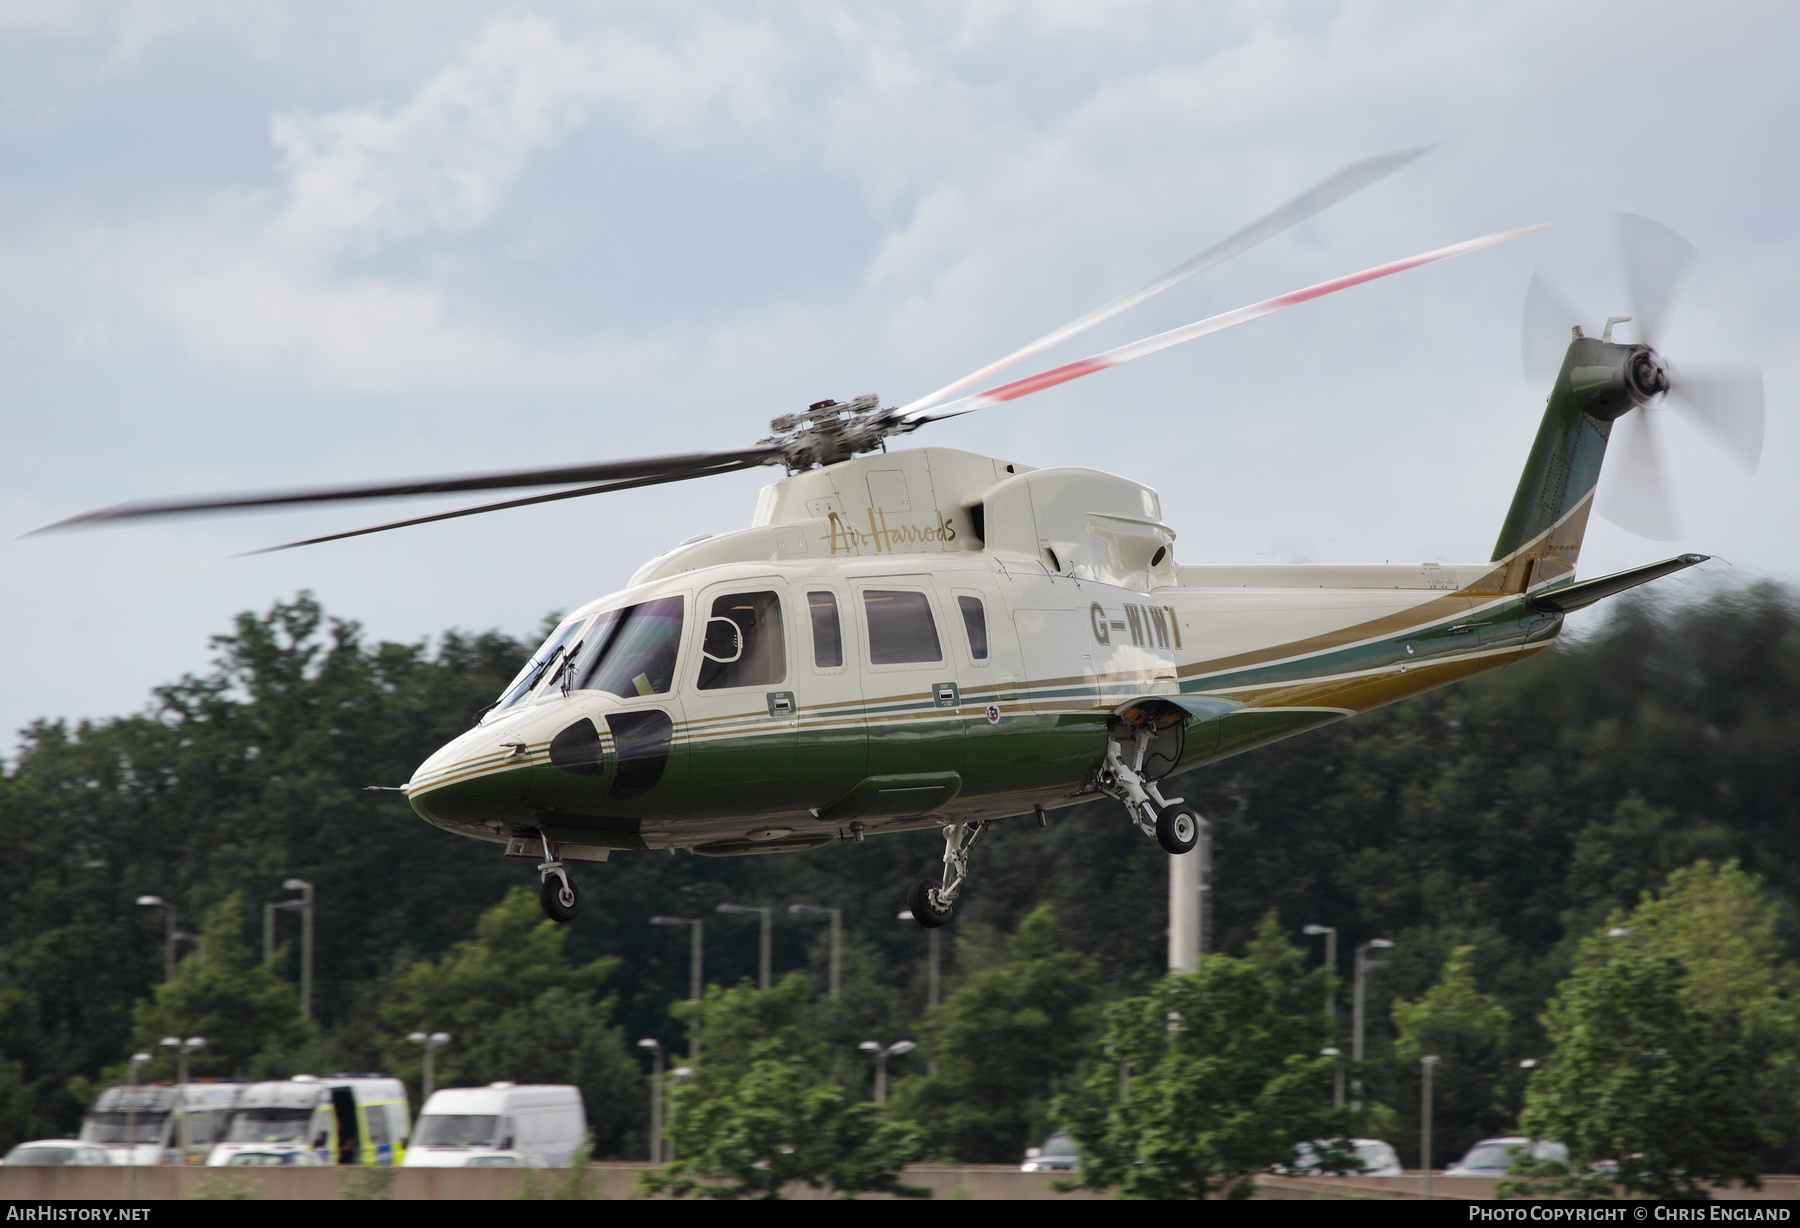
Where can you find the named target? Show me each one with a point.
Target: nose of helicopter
(470, 781)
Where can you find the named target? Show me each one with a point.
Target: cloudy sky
(264, 244)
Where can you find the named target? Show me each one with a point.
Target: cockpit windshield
(632, 651)
(544, 660)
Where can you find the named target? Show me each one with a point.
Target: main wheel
(559, 900)
(924, 911)
(1178, 829)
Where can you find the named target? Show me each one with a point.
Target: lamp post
(696, 958)
(156, 901)
(183, 1048)
(269, 911)
(1426, 1065)
(656, 1082)
(430, 1043)
(1364, 966)
(762, 950)
(837, 926)
(306, 940)
(931, 968)
(1337, 1075)
(881, 1055)
(137, 1061)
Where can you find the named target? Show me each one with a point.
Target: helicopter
(929, 638)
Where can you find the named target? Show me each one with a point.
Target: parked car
(1378, 1158)
(1057, 1155)
(268, 1159)
(532, 1125)
(1493, 1157)
(57, 1151)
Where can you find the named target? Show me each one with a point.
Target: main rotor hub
(832, 431)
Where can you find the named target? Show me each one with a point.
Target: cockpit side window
(743, 644)
(632, 651)
(545, 659)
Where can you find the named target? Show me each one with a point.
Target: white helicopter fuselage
(928, 636)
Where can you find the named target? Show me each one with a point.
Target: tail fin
(1542, 535)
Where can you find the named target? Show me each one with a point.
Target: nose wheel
(933, 901)
(556, 892)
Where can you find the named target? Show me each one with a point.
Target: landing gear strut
(933, 902)
(1170, 823)
(556, 893)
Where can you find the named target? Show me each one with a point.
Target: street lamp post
(430, 1043)
(837, 924)
(156, 901)
(306, 940)
(881, 1055)
(269, 911)
(1426, 1065)
(183, 1048)
(762, 950)
(696, 959)
(931, 967)
(1337, 1075)
(1364, 966)
(137, 1062)
(656, 1107)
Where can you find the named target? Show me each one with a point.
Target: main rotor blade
(1655, 259)
(1346, 182)
(1544, 334)
(658, 468)
(1638, 500)
(1212, 324)
(1727, 402)
(602, 488)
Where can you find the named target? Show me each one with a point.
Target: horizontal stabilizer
(1579, 596)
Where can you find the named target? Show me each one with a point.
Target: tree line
(1496, 832)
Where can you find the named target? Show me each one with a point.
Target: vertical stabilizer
(1542, 535)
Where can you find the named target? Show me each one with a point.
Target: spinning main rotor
(831, 431)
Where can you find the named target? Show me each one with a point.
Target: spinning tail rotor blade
(1725, 401)
(1544, 335)
(1347, 182)
(1655, 260)
(1639, 500)
(1212, 324)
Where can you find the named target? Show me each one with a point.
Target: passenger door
(743, 723)
(833, 751)
(910, 687)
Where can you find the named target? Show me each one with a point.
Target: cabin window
(974, 616)
(631, 652)
(743, 644)
(901, 631)
(547, 658)
(827, 631)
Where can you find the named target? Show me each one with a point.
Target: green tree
(518, 1009)
(1222, 1079)
(1641, 1080)
(1004, 1042)
(1470, 1032)
(781, 1124)
(222, 992)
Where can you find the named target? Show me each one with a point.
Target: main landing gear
(933, 902)
(1173, 825)
(556, 891)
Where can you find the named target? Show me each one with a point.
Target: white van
(344, 1119)
(143, 1125)
(535, 1125)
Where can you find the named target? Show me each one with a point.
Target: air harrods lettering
(883, 538)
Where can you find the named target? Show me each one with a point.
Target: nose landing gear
(933, 902)
(556, 892)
